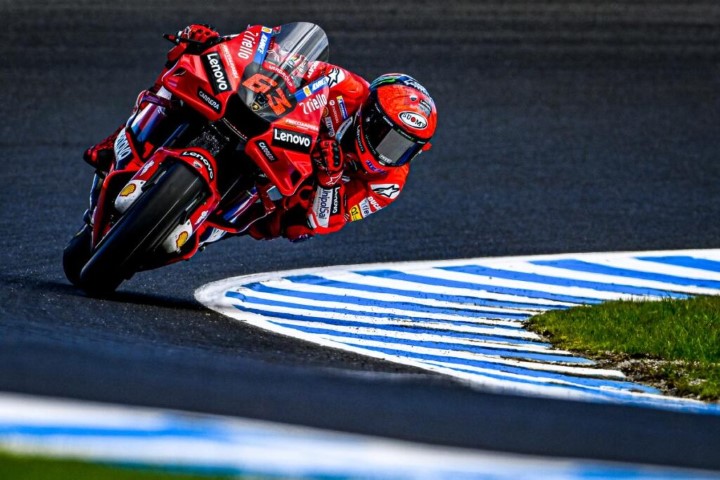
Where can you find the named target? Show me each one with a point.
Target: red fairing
(188, 80)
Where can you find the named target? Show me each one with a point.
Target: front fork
(95, 189)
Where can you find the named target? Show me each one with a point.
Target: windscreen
(272, 83)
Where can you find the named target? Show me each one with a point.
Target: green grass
(20, 467)
(671, 344)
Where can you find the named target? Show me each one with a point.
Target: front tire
(143, 227)
(76, 254)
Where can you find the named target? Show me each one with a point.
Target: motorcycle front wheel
(174, 194)
(76, 254)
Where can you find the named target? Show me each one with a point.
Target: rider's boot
(101, 156)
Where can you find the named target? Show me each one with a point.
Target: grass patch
(671, 344)
(21, 467)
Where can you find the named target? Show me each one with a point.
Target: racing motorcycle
(215, 149)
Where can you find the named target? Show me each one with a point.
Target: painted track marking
(465, 318)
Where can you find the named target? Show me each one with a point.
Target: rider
(370, 132)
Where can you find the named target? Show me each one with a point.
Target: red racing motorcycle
(214, 150)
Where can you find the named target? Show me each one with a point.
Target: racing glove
(196, 32)
(328, 161)
(199, 33)
(328, 207)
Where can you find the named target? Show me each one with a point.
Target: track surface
(565, 127)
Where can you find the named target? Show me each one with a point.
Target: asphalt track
(565, 126)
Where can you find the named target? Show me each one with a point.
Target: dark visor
(390, 146)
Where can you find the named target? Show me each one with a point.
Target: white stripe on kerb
(384, 336)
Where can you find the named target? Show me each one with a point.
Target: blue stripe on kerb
(559, 281)
(455, 347)
(583, 266)
(278, 316)
(443, 297)
(686, 261)
(379, 315)
(398, 305)
(449, 362)
(439, 282)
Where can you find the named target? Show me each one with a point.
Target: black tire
(76, 254)
(141, 229)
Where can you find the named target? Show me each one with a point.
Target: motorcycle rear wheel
(143, 227)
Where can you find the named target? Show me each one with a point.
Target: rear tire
(142, 228)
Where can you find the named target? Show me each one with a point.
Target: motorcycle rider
(370, 132)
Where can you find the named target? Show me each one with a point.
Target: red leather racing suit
(316, 210)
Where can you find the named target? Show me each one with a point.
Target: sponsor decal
(265, 149)
(359, 140)
(122, 147)
(263, 44)
(330, 126)
(343, 128)
(335, 202)
(215, 70)
(202, 218)
(229, 60)
(365, 207)
(376, 206)
(281, 73)
(128, 190)
(404, 79)
(335, 76)
(209, 100)
(389, 190)
(311, 69)
(247, 45)
(414, 120)
(298, 123)
(322, 205)
(292, 140)
(203, 159)
(309, 90)
(146, 167)
(313, 104)
(182, 239)
(425, 107)
(355, 214)
(343, 109)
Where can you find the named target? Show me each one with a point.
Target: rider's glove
(199, 33)
(328, 160)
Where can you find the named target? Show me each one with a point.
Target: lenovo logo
(216, 72)
(291, 140)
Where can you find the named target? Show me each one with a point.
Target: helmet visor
(390, 146)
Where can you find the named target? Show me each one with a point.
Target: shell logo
(128, 190)
(182, 239)
(413, 120)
